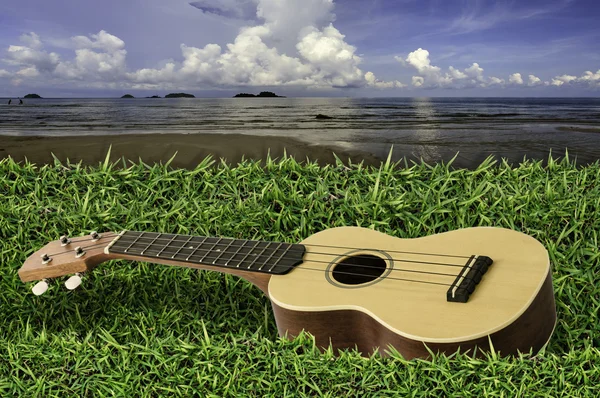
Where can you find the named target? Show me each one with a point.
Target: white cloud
(417, 81)
(515, 78)
(372, 81)
(588, 79)
(534, 81)
(456, 74)
(560, 80)
(4, 73)
(28, 72)
(432, 76)
(593, 79)
(400, 59)
(335, 61)
(105, 65)
(28, 56)
(419, 59)
(103, 41)
(475, 72)
(495, 81)
(32, 40)
(288, 20)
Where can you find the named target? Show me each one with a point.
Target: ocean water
(431, 129)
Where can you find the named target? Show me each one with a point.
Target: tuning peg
(73, 282)
(45, 258)
(64, 240)
(95, 236)
(79, 252)
(40, 287)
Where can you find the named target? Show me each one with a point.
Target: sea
(427, 129)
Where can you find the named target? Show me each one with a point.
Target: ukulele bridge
(468, 278)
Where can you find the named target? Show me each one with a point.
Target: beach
(190, 149)
(432, 130)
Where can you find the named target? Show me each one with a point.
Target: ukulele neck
(275, 258)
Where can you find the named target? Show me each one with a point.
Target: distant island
(154, 96)
(128, 96)
(179, 95)
(262, 94)
(32, 96)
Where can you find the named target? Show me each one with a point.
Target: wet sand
(191, 149)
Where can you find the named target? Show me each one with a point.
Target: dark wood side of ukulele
(349, 329)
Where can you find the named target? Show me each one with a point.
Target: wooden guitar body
(353, 287)
(512, 306)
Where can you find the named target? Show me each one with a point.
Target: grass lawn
(142, 329)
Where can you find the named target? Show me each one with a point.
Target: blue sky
(300, 47)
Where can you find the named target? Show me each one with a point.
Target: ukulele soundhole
(352, 271)
(356, 270)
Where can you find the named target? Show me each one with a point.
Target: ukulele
(474, 289)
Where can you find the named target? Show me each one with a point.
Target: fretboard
(248, 255)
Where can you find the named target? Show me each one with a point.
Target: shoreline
(191, 149)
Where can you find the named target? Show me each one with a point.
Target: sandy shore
(191, 149)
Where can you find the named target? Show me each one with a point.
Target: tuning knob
(45, 258)
(79, 252)
(95, 236)
(64, 240)
(73, 282)
(40, 287)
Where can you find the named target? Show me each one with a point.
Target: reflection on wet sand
(428, 135)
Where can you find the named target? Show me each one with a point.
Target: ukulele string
(338, 272)
(314, 261)
(329, 262)
(328, 254)
(263, 241)
(154, 240)
(350, 265)
(380, 277)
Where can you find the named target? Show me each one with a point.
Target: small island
(128, 96)
(267, 94)
(179, 95)
(154, 96)
(32, 96)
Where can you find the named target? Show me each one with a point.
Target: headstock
(64, 257)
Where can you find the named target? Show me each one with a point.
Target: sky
(350, 48)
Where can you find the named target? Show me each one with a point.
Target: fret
(223, 252)
(280, 257)
(236, 253)
(259, 254)
(134, 242)
(182, 246)
(250, 255)
(209, 250)
(247, 254)
(150, 244)
(268, 258)
(196, 249)
(167, 245)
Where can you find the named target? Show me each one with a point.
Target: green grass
(143, 329)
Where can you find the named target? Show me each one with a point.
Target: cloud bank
(318, 55)
(286, 43)
(430, 76)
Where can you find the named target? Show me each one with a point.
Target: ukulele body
(403, 304)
